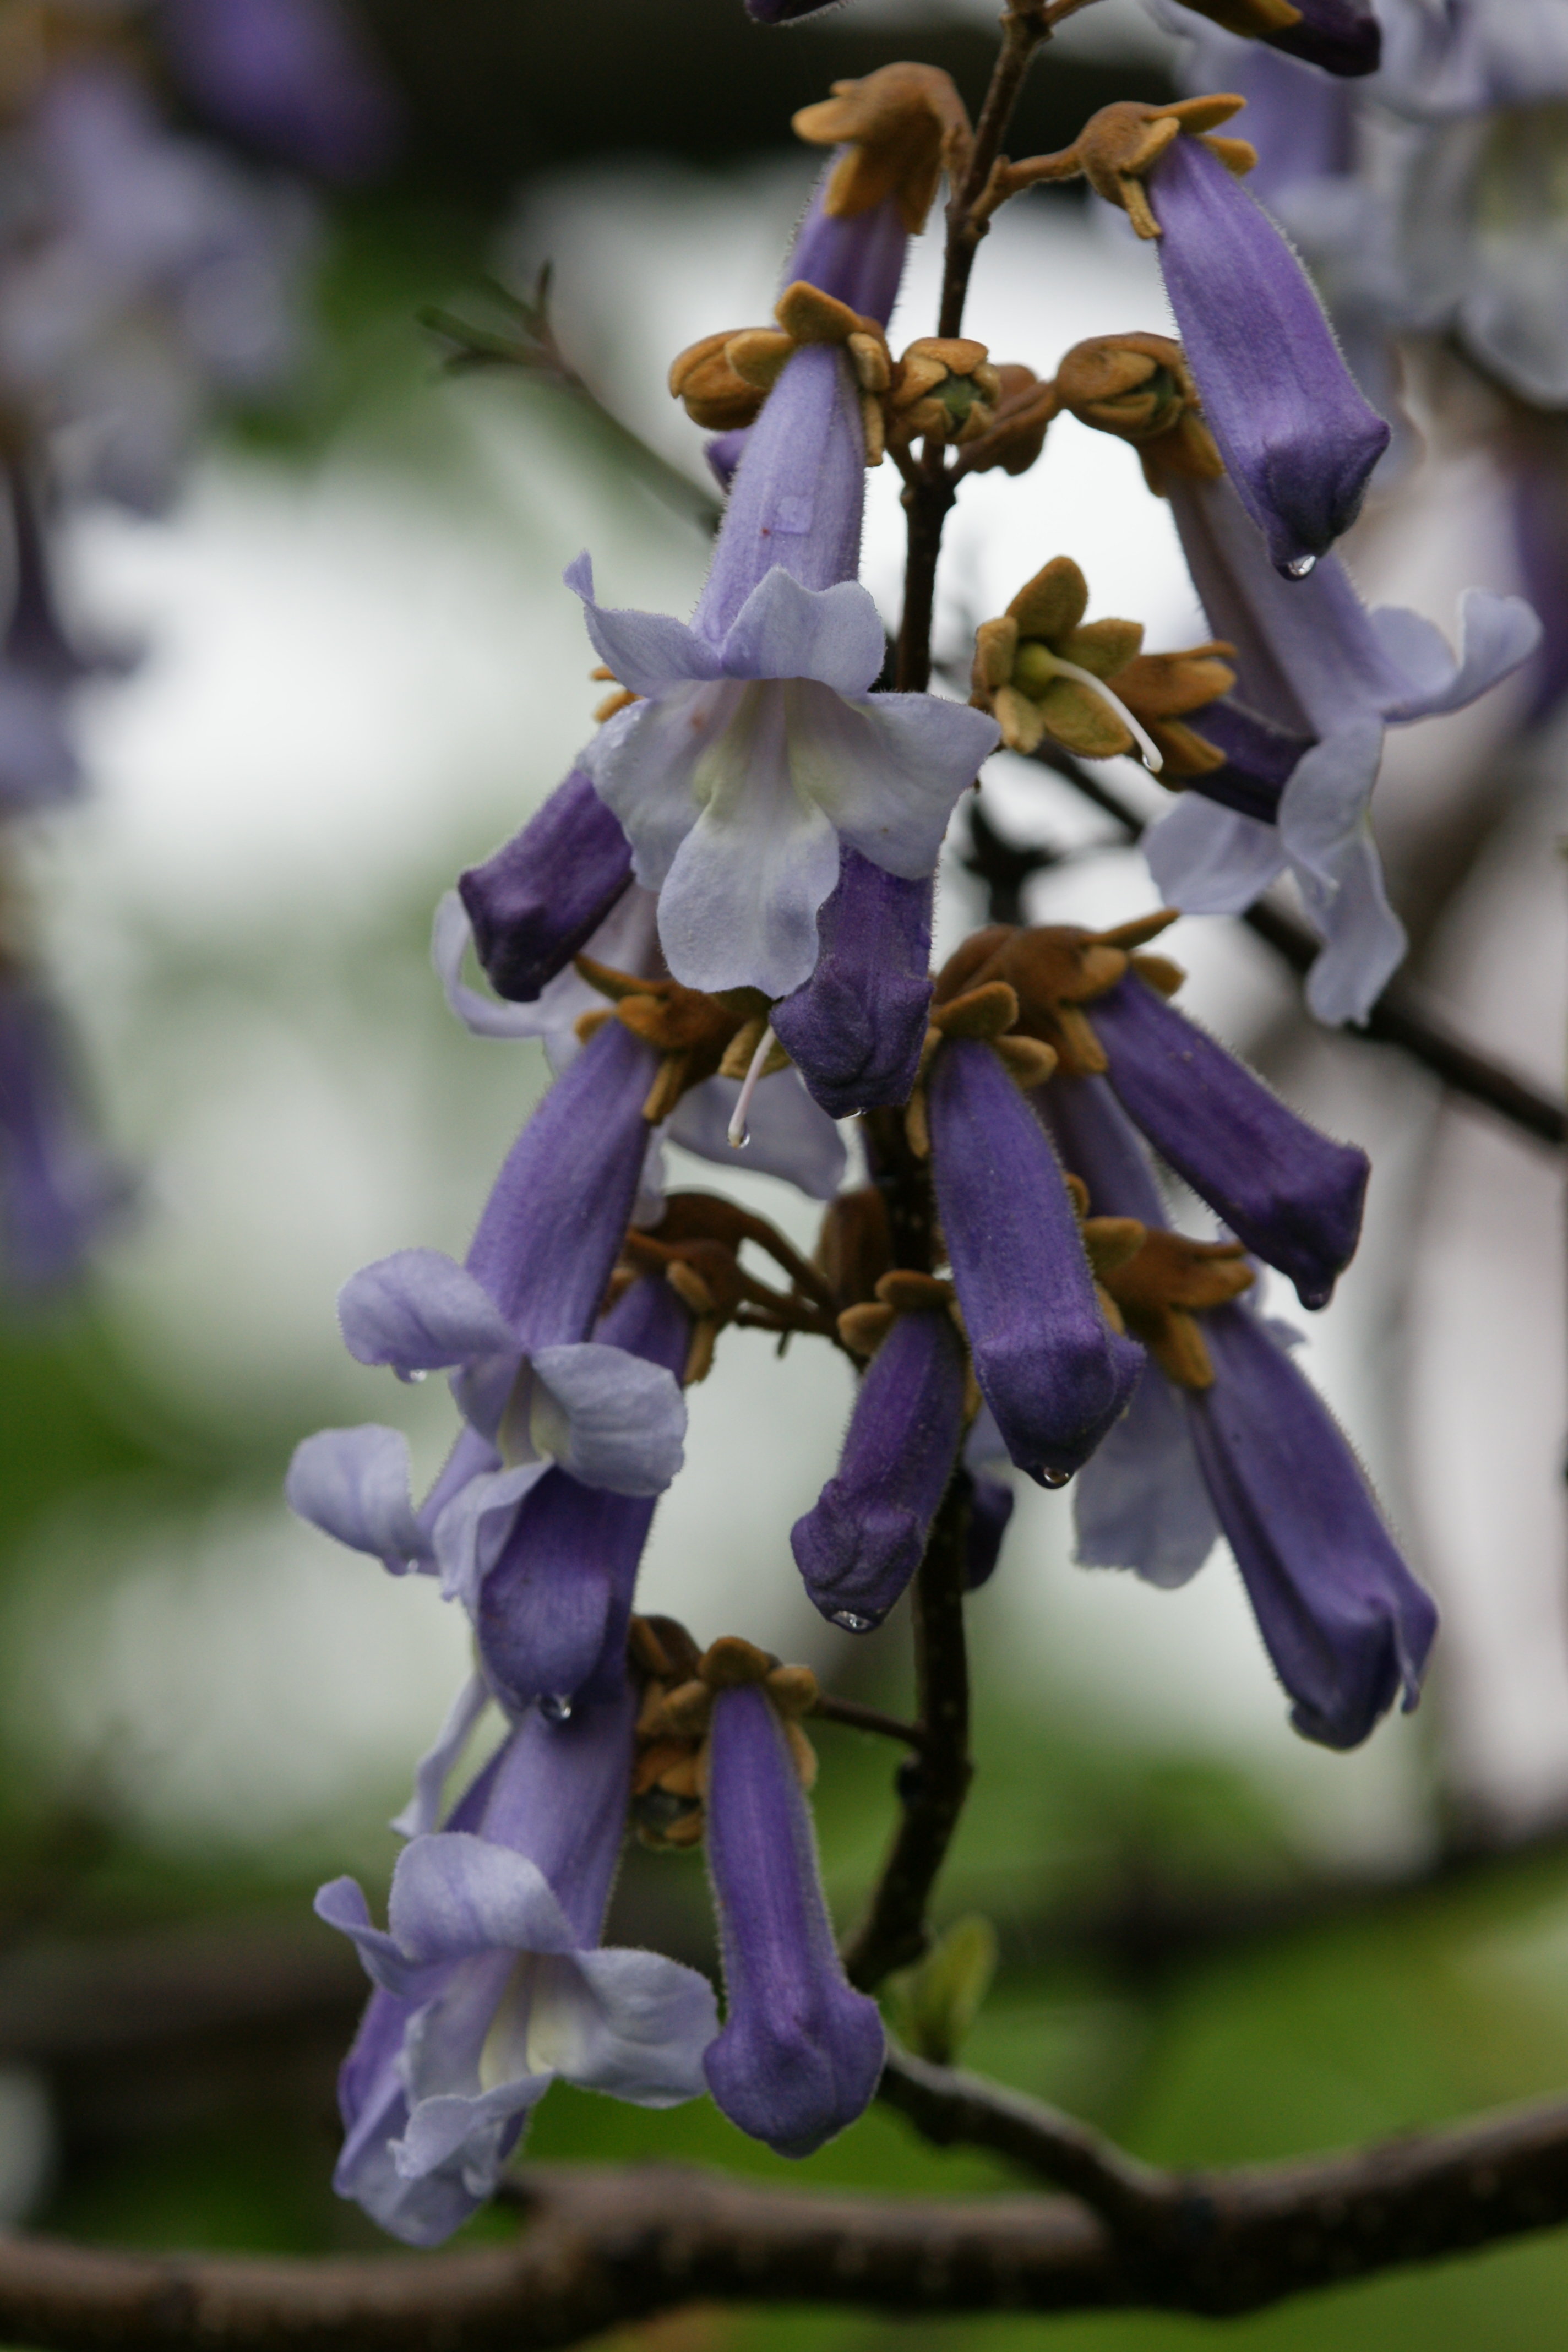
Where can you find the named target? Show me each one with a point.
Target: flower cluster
(720, 924)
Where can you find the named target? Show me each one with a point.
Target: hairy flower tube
(490, 1981)
(1289, 1192)
(1054, 1371)
(864, 1538)
(1295, 432)
(1226, 1436)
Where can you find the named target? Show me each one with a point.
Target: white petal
(783, 630)
(1364, 941)
(1207, 860)
(644, 765)
(1496, 633)
(610, 1418)
(1322, 809)
(423, 1811)
(645, 651)
(632, 2023)
(353, 1483)
(888, 770)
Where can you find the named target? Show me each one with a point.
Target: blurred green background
(362, 673)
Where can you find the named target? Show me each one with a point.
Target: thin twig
(1397, 1018)
(933, 1785)
(930, 494)
(850, 1712)
(603, 2247)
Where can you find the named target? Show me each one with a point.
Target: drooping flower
(864, 1536)
(1297, 436)
(490, 1981)
(1227, 1435)
(545, 892)
(855, 1029)
(1054, 1370)
(800, 2054)
(1289, 1192)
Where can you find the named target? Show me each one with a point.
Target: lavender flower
(867, 1533)
(551, 1615)
(543, 894)
(800, 2054)
(1226, 1435)
(1054, 1373)
(1316, 665)
(855, 1029)
(1296, 434)
(758, 749)
(490, 1981)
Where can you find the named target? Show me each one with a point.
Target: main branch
(604, 2247)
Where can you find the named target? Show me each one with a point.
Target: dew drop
(1055, 1478)
(555, 1707)
(412, 1380)
(741, 1142)
(1300, 566)
(851, 1622)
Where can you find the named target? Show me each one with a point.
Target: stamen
(739, 1134)
(1150, 749)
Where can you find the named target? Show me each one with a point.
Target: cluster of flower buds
(720, 924)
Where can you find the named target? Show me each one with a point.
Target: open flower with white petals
(744, 764)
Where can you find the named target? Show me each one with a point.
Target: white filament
(738, 1133)
(1086, 678)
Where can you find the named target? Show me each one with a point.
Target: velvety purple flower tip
(1053, 1372)
(1291, 1195)
(1297, 436)
(1344, 37)
(855, 1030)
(863, 1541)
(541, 897)
(801, 2053)
(1344, 1622)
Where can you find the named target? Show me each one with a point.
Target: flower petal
(454, 1893)
(1207, 860)
(450, 938)
(646, 652)
(644, 762)
(633, 2024)
(1364, 941)
(1496, 634)
(782, 630)
(1139, 1501)
(790, 1137)
(888, 770)
(423, 1811)
(609, 1417)
(471, 1529)
(353, 1483)
(419, 1310)
(739, 906)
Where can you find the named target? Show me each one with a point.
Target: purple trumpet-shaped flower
(1345, 1622)
(757, 749)
(788, 1134)
(1256, 1456)
(1293, 1195)
(543, 894)
(1315, 666)
(864, 1538)
(858, 257)
(800, 2054)
(856, 1028)
(1296, 434)
(490, 1983)
(293, 76)
(1052, 1370)
(510, 1323)
(551, 1615)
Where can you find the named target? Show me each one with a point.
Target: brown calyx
(1120, 146)
(696, 1247)
(1051, 972)
(944, 389)
(901, 1292)
(724, 379)
(987, 1014)
(1023, 408)
(1165, 1286)
(690, 1030)
(1140, 388)
(679, 1684)
(855, 1246)
(903, 126)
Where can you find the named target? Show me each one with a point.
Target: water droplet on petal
(1054, 1478)
(412, 1380)
(741, 1142)
(851, 1622)
(555, 1707)
(1300, 566)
